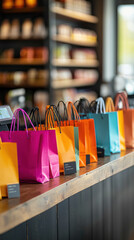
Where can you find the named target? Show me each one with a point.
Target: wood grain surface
(37, 198)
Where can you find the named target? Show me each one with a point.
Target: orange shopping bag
(8, 166)
(65, 139)
(87, 138)
(110, 108)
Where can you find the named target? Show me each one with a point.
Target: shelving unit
(22, 62)
(75, 63)
(70, 83)
(78, 42)
(23, 10)
(74, 15)
(92, 22)
(26, 86)
(22, 39)
(53, 16)
(16, 64)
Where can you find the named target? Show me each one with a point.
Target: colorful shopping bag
(110, 108)
(128, 114)
(106, 128)
(8, 166)
(87, 139)
(52, 143)
(32, 148)
(65, 139)
(63, 115)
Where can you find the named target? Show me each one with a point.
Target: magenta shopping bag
(53, 154)
(33, 152)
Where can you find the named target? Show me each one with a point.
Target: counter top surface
(37, 198)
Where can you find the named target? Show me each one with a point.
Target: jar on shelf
(31, 3)
(27, 28)
(41, 53)
(19, 77)
(15, 29)
(5, 29)
(7, 4)
(64, 30)
(39, 29)
(19, 3)
(8, 54)
(27, 53)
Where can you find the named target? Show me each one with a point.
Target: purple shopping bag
(32, 148)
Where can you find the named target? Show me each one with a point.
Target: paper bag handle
(100, 105)
(49, 117)
(33, 118)
(71, 108)
(121, 96)
(16, 116)
(109, 105)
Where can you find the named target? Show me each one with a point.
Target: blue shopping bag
(106, 128)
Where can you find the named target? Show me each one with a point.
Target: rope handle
(65, 109)
(123, 98)
(16, 116)
(33, 118)
(110, 105)
(49, 118)
(81, 108)
(55, 114)
(100, 105)
(71, 108)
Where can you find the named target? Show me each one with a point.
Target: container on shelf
(7, 4)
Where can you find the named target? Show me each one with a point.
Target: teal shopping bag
(106, 128)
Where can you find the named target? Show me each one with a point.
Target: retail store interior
(66, 119)
(65, 49)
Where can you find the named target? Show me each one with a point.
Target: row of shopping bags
(68, 139)
(42, 151)
(34, 153)
(113, 122)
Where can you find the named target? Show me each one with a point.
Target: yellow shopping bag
(111, 108)
(8, 166)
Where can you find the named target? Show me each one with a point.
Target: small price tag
(100, 152)
(69, 168)
(13, 190)
(87, 159)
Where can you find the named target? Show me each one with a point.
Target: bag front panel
(114, 132)
(66, 146)
(128, 126)
(8, 166)
(31, 150)
(121, 130)
(102, 131)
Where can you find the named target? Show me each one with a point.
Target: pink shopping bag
(33, 152)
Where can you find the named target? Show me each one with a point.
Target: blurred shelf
(23, 10)
(18, 61)
(23, 39)
(24, 85)
(78, 42)
(70, 83)
(75, 63)
(75, 15)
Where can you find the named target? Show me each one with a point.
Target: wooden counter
(37, 198)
